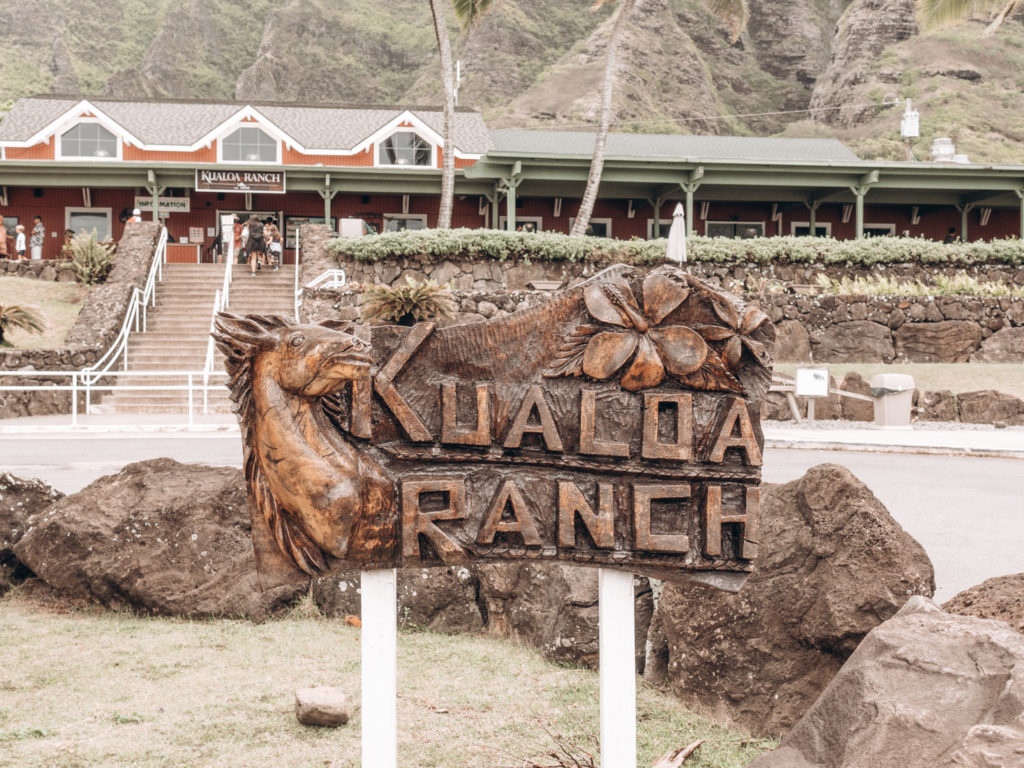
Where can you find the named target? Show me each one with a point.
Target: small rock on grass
(324, 705)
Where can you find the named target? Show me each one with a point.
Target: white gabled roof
(187, 125)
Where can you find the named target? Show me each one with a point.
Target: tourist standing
(67, 251)
(19, 245)
(274, 244)
(255, 246)
(236, 230)
(3, 241)
(38, 236)
(136, 216)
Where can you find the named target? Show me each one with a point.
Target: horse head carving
(318, 495)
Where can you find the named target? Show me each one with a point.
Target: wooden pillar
(154, 189)
(813, 217)
(1020, 196)
(656, 227)
(510, 207)
(859, 192)
(327, 193)
(689, 188)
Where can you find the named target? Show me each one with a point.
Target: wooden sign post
(614, 426)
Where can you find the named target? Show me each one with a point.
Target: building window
(396, 222)
(803, 229)
(88, 140)
(666, 225)
(595, 227)
(85, 220)
(405, 148)
(523, 223)
(250, 145)
(879, 230)
(740, 229)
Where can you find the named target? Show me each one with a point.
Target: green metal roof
(671, 147)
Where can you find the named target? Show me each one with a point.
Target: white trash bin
(894, 397)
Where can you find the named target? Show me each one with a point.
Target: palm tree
(936, 13)
(17, 316)
(466, 11)
(733, 12)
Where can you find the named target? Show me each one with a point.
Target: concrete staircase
(177, 331)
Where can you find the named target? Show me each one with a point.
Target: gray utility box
(894, 397)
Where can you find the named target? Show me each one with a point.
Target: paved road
(69, 463)
(966, 512)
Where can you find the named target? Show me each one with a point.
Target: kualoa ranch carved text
(615, 425)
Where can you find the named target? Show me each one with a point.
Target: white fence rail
(83, 385)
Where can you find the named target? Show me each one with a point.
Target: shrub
(16, 316)
(477, 244)
(91, 259)
(408, 304)
(958, 285)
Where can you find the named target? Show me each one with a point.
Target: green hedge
(475, 244)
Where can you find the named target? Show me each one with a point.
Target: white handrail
(221, 301)
(335, 276)
(137, 306)
(298, 290)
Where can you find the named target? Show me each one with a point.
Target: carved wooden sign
(616, 425)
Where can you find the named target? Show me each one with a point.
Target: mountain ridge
(803, 68)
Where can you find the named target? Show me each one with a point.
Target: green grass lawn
(59, 304)
(89, 687)
(956, 377)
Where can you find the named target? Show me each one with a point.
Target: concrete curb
(866, 447)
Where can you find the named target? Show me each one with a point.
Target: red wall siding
(51, 203)
(201, 155)
(361, 159)
(35, 152)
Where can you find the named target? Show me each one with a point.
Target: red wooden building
(86, 163)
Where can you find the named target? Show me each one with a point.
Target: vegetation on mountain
(938, 12)
(837, 68)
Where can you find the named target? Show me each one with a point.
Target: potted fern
(408, 304)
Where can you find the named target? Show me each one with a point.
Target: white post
(74, 399)
(618, 669)
(379, 646)
(190, 399)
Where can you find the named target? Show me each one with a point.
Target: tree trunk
(444, 215)
(597, 162)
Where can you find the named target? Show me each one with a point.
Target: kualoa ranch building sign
(615, 425)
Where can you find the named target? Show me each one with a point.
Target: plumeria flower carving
(642, 346)
(737, 330)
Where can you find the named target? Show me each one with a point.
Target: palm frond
(18, 316)
(939, 13)
(735, 14)
(469, 11)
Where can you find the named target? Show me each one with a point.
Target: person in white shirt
(19, 244)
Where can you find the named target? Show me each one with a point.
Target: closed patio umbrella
(677, 236)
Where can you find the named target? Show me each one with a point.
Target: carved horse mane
(317, 494)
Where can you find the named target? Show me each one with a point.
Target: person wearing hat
(136, 215)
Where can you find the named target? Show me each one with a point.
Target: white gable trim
(52, 131)
(418, 126)
(69, 119)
